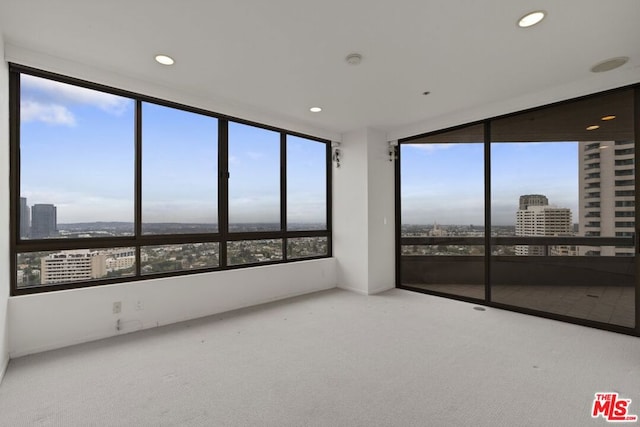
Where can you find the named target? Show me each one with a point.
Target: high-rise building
(533, 200)
(71, 266)
(44, 221)
(607, 194)
(538, 219)
(25, 220)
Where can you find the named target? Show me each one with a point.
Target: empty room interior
(290, 213)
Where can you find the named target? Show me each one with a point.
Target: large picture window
(77, 163)
(111, 186)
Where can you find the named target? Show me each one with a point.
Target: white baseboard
(382, 289)
(4, 364)
(352, 289)
(363, 292)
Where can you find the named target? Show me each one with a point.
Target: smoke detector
(609, 64)
(353, 59)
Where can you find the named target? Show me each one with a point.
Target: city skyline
(441, 183)
(444, 183)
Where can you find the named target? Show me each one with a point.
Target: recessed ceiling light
(593, 127)
(315, 109)
(607, 118)
(531, 18)
(609, 64)
(164, 59)
(602, 147)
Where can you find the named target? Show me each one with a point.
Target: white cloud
(78, 206)
(31, 111)
(430, 147)
(52, 92)
(254, 155)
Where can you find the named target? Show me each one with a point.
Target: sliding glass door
(442, 213)
(564, 176)
(555, 186)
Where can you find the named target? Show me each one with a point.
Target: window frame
(139, 240)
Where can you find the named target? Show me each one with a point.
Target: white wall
(350, 243)
(4, 209)
(52, 320)
(381, 213)
(363, 214)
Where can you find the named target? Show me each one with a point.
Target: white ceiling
(284, 56)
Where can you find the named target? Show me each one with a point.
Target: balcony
(548, 279)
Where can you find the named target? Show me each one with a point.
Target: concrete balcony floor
(607, 304)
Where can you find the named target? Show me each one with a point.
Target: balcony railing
(544, 242)
(537, 270)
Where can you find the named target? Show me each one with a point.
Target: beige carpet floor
(332, 358)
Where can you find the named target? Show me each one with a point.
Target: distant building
(72, 266)
(44, 221)
(120, 258)
(607, 194)
(533, 200)
(437, 231)
(25, 220)
(538, 219)
(122, 263)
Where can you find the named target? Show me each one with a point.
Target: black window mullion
(14, 214)
(137, 226)
(283, 193)
(329, 197)
(487, 211)
(223, 189)
(398, 212)
(636, 134)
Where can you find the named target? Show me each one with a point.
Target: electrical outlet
(138, 305)
(117, 307)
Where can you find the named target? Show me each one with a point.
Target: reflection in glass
(554, 181)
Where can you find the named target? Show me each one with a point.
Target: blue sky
(77, 152)
(445, 182)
